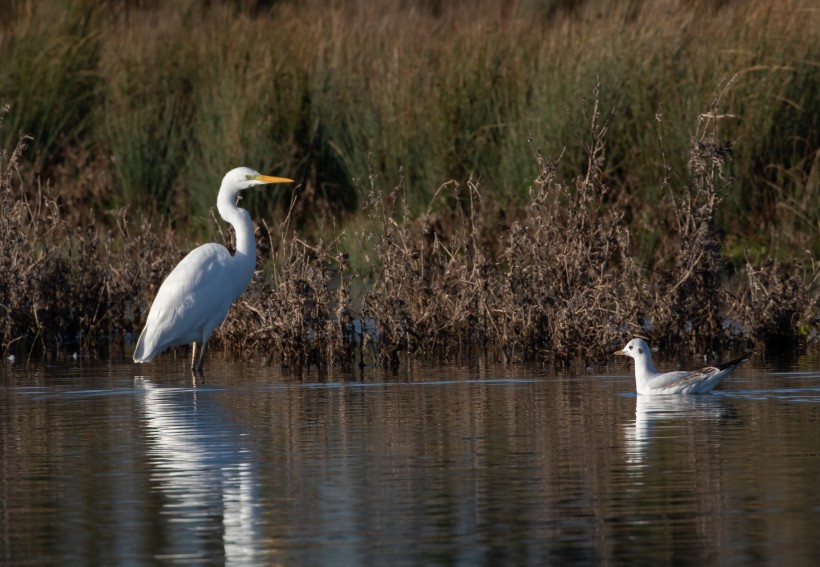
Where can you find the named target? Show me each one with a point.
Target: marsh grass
(557, 284)
(49, 78)
(574, 215)
(162, 98)
(779, 304)
(299, 315)
(65, 287)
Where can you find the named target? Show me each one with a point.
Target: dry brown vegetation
(558, 283)
(66, 288)
(561, 229)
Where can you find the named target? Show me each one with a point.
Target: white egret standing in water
(196, 296)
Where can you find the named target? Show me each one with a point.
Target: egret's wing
(192, 294)
(195, 286)
(682, 378)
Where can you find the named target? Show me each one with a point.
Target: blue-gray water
(118, 464)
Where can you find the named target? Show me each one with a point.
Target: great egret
(196, 296)
(651, 382)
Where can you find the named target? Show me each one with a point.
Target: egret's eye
(249, 177)
(630, 347)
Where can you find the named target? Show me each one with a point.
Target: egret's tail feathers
(141, 352)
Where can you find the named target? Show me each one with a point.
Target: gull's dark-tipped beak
(620, 353)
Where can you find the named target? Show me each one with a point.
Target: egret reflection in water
(207, 479)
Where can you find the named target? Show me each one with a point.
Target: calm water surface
(117, 464)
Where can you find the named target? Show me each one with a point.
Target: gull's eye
(630, 347)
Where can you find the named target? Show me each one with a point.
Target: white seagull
(650, 382)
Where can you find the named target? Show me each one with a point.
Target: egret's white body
(196, 296)
(649, 381)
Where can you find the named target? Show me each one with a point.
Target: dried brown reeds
(570, 285)
(556, 284)
(301, 314)
(429, 294)
(687, 299)
(65, 287)
(780, 304)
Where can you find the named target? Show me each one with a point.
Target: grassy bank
(146, 105)
(558, 284)
(532, 180)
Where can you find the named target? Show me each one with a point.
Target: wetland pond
(119, 464)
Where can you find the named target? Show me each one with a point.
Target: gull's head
(636, 348)
(245, 177)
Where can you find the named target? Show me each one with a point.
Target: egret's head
(245, 177)
(636, 348)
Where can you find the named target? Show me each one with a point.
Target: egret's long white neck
(240, 220)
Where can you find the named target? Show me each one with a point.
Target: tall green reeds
(161, 99)
(49, 76)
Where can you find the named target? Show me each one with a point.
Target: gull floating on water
(651, 382)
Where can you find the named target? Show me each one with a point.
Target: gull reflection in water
(654, 413)
(206, 477)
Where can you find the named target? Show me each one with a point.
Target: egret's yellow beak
(620, 353)
(270, 179)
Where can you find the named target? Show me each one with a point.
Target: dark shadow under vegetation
(557, 284)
